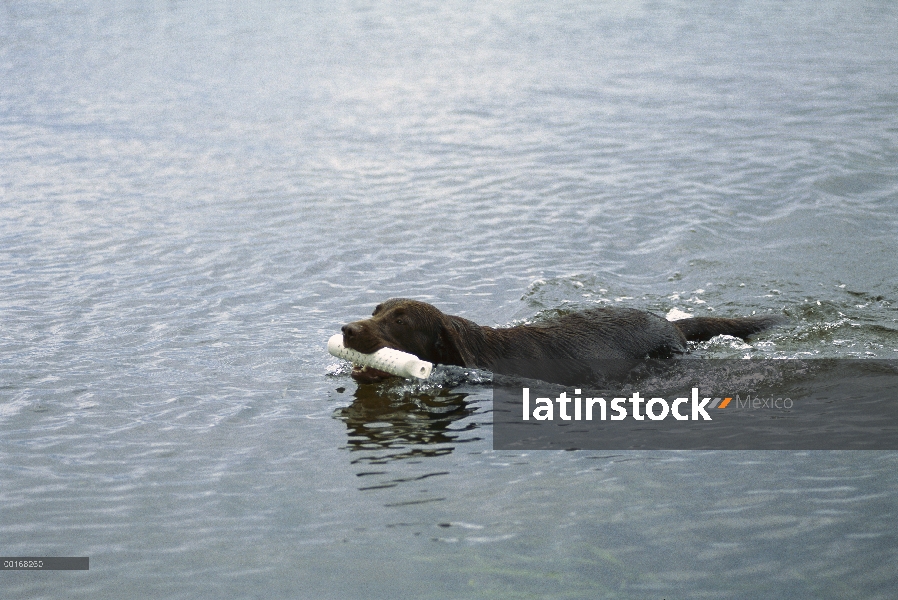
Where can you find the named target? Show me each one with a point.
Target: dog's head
(410, 326)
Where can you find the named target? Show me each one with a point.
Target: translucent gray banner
(691, 404)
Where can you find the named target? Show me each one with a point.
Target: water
(195, 196)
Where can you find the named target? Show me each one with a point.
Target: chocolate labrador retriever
(603, 333)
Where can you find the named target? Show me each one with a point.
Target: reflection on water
(394, 425)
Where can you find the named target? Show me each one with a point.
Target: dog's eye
(399, 321)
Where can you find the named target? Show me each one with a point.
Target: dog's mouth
(369, 374)
(365, 345)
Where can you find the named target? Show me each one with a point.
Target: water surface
(195, 196)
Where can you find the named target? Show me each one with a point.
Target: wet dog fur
(596, 334)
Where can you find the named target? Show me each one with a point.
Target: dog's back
(700, 329)
(598, 333)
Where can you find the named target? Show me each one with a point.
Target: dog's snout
(359, 336)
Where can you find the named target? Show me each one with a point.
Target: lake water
(195, 195)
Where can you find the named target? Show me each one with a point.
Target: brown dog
(604, 333)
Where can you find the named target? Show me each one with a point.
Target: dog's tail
(700, 329)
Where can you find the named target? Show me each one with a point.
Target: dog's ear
(451, 347)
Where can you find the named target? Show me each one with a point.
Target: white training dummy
(388, 360)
